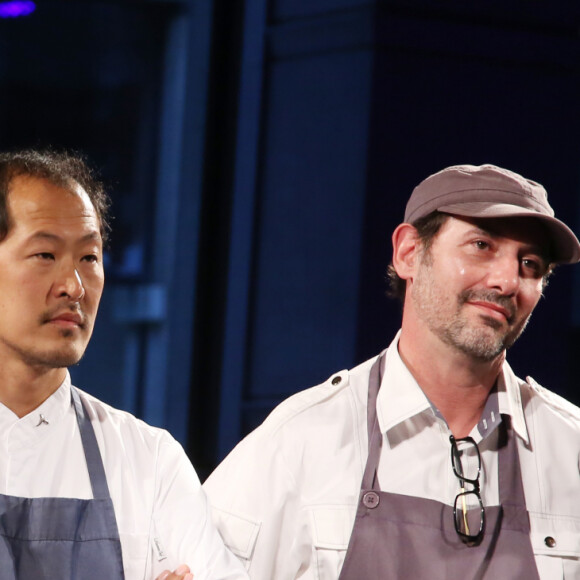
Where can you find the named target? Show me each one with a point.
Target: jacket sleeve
(183, 531)
(257, 509)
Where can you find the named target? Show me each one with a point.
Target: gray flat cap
(487, 191)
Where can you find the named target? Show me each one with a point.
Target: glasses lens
(468, 514)
(466, 461)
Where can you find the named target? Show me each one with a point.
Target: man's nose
(504, 274)
(71, 285)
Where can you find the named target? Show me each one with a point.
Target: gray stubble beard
(481, 344)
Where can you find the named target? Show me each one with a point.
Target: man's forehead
(23, 181)
(36, 188)
(39, 200)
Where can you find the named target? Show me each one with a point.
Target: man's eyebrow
(479, 231)
(42, 235)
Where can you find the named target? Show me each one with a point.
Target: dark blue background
(259, 155)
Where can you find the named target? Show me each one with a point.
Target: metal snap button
(371, 499)
(336, 380)
(550, 542)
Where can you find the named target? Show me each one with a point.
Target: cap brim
(566, 247)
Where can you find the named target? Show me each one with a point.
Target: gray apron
(62, 538)
(397, 536)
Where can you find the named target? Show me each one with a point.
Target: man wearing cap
(431, 460)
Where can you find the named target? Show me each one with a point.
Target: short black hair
(62, 168)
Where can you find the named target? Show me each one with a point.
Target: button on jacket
(161, 511)
(285, 499)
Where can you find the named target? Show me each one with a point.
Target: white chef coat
(285, 499)
(161, 510)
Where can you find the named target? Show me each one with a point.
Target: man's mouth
(494, 310)
(67, 320)
(491, 304)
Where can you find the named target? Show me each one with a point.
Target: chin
(63, 361)
(67, 357)
(55, 359)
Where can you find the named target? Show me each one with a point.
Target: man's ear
(406, 250)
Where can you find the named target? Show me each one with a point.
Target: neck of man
(24, 388)
(456, 383)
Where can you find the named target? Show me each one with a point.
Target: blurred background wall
(259, 154)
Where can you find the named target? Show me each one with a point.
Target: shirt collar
(510, 400)
(400, 397)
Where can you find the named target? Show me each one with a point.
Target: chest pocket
(238, 533)
(331, 528)
(556, 545)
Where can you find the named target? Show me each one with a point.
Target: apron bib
(62, 538)
(404, 537)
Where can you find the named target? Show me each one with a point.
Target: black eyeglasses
(468, 511)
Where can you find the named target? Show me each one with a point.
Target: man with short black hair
(431, 460)
(86, 491)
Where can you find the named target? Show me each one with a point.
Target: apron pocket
(238, 533)
(556, 545)
(331, 528)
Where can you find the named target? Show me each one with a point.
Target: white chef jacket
(285, 499)
(161, 510)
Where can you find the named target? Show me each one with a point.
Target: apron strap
(510, 483)
(91, 449)
(369, 480)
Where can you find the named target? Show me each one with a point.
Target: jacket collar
(39, 422)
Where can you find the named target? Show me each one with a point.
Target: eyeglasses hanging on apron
(468, 510)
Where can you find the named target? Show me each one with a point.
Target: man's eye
(533, 265)
(481, 245)
(45, 256)
(90, 258)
